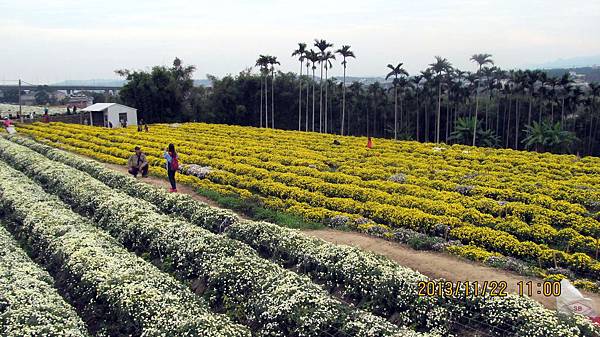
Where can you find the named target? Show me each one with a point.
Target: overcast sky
(47, 41)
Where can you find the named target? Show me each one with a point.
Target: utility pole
(19, 98)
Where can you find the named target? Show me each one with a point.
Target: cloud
(64, 39)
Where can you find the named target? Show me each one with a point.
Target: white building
(101, 114)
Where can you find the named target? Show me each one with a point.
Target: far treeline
(518, 109)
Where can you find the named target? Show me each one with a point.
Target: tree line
(519, 109)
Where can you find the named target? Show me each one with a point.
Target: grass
(254, 210)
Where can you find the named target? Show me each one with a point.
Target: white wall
(113, 115)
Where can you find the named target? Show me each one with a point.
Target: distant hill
(95, 82)
(574, 62)
(364, 80)
(117, 82)
(591, 74)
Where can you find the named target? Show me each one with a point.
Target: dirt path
(437, 265)
(432, 264)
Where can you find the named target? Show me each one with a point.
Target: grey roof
(98, 107)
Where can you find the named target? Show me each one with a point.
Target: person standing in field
(172, 165)
(138, 163)
(6, 122)
(9, 126)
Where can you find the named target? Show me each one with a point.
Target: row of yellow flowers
(522, 212)
(210, 148)
(526, 221)
(422, 171)
(319, 205)
(571, 172)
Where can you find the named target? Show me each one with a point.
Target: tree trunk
(313, 100)
(439, 112)
(418, 114)
(401, 113)
(306, 119)
(273, 98)
(300, 99)
(487, 105)
(540, 115)
(498, 101)
(261, 110)
(529, 113)
(447, 121)
(395, 112)
(517, 124)
(321, 100)
(266, 101)
(476, 110)
(590, 133)
(326, 105)
(343, 99)
(562, 112)
(508, 123)
(427, 121)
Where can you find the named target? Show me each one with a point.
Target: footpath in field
(432, 264)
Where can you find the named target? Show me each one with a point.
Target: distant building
(102, 113)
(577, 78)
(80, 101)
(28, 98)
(58, 95)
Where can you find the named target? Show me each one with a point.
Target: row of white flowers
(29, 303)
(381, 285)
(271, 300)
(119, 293)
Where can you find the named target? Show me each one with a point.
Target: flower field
(240, 271)
(539, 208)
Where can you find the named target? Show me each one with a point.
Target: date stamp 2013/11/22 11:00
(441, 288)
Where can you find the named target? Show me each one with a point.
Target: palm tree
(396, 71)
(326, 58)
(463, 133)
(272, 62)
(345, 52)
(322, 45)
(300, 52)
(481, 59)
(376, 90)
(307, 68)
(356, 91)
(594, 94)
(427, 93)
(544, 136)
(520, 81)
(439, 67)
(263, 63)
(415, 82)
(542, 77)
(565, 85)
(313, 57)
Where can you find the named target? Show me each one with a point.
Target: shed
(100, 114)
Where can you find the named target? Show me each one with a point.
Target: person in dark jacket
(172, 165)
(138, 163)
